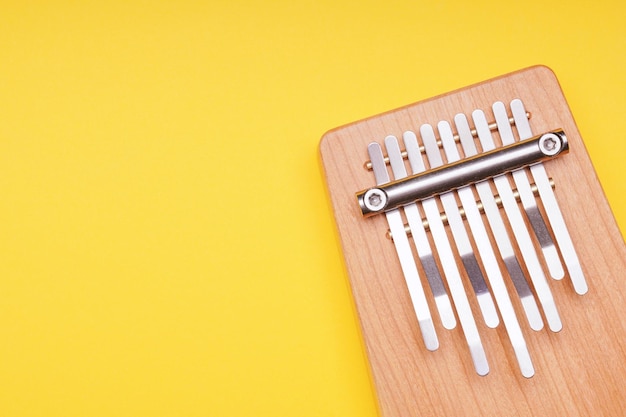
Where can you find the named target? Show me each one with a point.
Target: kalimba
(484, 261)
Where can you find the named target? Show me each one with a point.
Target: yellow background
(167, 246)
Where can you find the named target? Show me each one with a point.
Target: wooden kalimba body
(484, 261)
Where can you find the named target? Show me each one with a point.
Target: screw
(375, 199)
(550, 144)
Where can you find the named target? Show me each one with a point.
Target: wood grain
(579, 371)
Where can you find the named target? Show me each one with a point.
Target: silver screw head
(375, 199)
(550, 144)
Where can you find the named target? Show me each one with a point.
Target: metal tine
(424, 252)
(503, 243)
(520, 232)
(405, 255)
(492, 269)
(493, 126)
(479, 204)
(553, 211)
(451, 271)
(459, 234)
(529, 203)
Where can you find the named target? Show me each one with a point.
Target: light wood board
(579, 371)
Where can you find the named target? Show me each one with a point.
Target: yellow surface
(167, 246)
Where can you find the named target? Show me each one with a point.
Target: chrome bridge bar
(468, 171)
